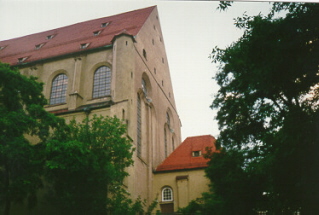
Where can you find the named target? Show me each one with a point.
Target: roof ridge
(80, 22)
(205, 135)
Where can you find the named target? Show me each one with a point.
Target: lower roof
(189, 154)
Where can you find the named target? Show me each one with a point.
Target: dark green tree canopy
(86, 166)
(272, 69)
(268, 114)
(22, 117)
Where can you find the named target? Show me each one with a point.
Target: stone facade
(141, 91)
(117, 66)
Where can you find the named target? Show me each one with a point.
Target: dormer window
(96, 33)
(196, 153)
(2, 47)
(84, 45)
(39, 46)
(104, 24)
(49, 37)
(22, 59)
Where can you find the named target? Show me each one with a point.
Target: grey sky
(190, 30)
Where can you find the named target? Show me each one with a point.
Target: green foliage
(120, 203)
(194, 207)
(223, 5)
(86, 167)
(21, 115)
(268, 115)
(152, 206)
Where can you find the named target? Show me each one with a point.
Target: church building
(115, 65)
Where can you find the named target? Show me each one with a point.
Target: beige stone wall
(186, 186)
(155, 67)
(129, 65)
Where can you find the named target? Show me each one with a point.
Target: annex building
(181, 176)
(115, 65)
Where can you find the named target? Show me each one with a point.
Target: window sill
(54, 105)
(99, 98)
(166, 202)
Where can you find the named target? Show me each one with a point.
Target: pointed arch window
(58, 89)
(173, 144)
(165, 143)
(168, 120)
(139, 126)
(102, 82)
(167, 194)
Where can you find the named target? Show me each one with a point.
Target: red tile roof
(67, 40)
(182, 158)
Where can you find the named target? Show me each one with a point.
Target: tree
(268, 112)
(21, 115)
(86, 167)
(233, 189)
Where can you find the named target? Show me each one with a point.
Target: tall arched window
(167, 194)
(139, 127)
(102, 82)
(58, 89)
(165, 143)
(144, 87)
(173, 144)
(168, 120)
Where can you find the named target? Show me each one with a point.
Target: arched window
(165, 143)
(139, 126)
(168, 120)
(144, 87)
(58, 89)
(102, 82)
(167, 194)
(173, 144)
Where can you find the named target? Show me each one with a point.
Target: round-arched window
(167, 194)
(58, 89)
(102, 82)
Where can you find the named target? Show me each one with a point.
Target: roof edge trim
(178, 170)
(62, 56)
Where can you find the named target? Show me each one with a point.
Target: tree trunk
(7, 206)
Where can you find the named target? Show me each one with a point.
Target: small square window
(196, 153)
(144, 54)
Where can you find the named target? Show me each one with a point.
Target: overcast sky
(190, 30)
